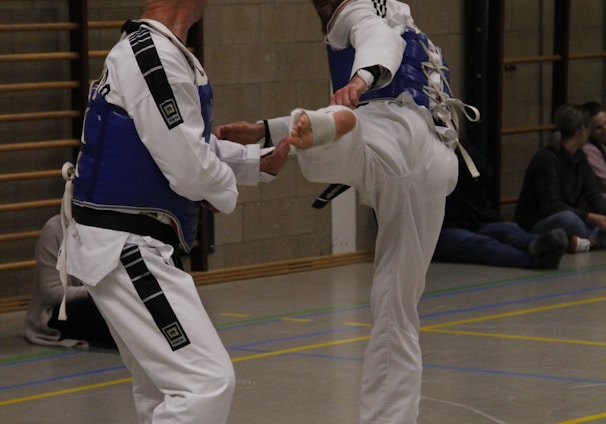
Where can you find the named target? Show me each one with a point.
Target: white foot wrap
(323, 125)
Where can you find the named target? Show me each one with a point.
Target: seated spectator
(84, 324)
(559, 188)
(473, 231)
(595, 148)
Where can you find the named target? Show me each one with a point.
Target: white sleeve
(196, 169)
(243, 160)
(375, 42)
(191, 166)
(278, 128)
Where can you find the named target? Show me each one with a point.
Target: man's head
(177, 15)
(326, 9)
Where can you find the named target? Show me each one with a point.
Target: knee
(225, 381)
(217, 381)
(230, 380)
(571, 223)
(567, 216)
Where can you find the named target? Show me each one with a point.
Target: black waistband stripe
(153, 298)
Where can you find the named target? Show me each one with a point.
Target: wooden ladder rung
(528, 129)
(23, 235)
(30, 86)
(35, 145)
(58, 26)
(36, 116)
(24, 57)
(12, 266)
(14, 303)
(13, 207)
(33, 175)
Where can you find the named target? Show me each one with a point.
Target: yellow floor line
(431, 328)
(299, 349)
(128, 380)
(65, 392)
(358, 324)
(296, 319)
(516, 337)
(233, 315)
(585, 419)
(515, 313)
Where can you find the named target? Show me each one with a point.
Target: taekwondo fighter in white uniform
(147, 162)
(399, 158)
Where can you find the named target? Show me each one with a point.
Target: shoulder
(142, 49)
(592, 151)
(589, 148)
(50, 238)
(354, 12)
(544, 161)
(52, 228)
(546, 155)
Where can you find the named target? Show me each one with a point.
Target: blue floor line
(512, 282)
(247, 346)
(514, 302)
(62, 377)
(305, 355)
(517, 282)
(292, 338)
(58, 355)
(515, 374)
(447, 368)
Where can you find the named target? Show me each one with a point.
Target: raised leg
(311, 128)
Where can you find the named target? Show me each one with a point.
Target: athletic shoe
(578, 244)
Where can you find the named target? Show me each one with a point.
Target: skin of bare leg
(301, 135)
(345, 121)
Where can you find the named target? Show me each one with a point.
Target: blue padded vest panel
(408, 78)
(116, 171)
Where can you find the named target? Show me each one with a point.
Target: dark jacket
(469, 205)
(556, 181)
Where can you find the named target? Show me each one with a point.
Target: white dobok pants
(401, 169)
(181, 371)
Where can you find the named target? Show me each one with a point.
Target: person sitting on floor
(84, 325)
(560, 189)
(473, 231)
(595, 148)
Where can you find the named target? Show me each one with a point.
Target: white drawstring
(68, 173)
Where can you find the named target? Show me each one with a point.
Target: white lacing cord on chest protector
(443, 107)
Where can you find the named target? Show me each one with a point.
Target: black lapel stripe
(151, 67)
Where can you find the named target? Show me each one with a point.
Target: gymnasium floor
(499, 346)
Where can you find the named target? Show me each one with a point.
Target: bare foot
(302, 135)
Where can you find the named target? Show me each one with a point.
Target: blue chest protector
(116, 171)
(410, 77)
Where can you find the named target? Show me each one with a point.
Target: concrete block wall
(264, 58)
